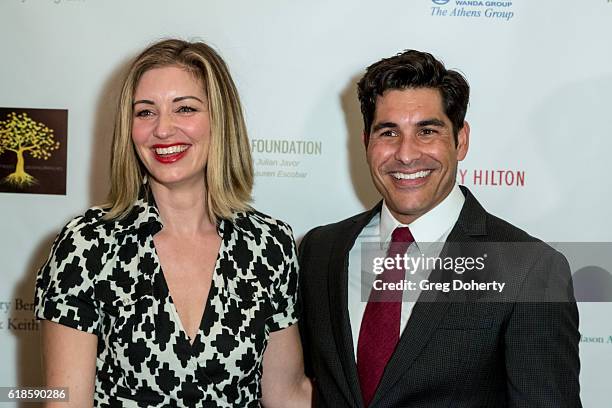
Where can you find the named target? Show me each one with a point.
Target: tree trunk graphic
(20, 134)
(19, 177)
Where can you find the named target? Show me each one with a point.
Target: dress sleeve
(65, 283)
(286, 290)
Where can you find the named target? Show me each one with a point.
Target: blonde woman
(177, 293)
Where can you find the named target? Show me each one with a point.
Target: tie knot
(402, 234)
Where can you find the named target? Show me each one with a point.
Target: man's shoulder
(476, 221)
(511, 240)
(482, 226)
(503, 231)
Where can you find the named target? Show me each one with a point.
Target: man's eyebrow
(383, 125)
(431, 122)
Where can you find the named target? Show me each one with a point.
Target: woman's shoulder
(87, 225)
(76, 255)
(257, 222)
(93, 224)
(79, 237)
(266, 231)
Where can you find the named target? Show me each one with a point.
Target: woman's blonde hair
(229, 170)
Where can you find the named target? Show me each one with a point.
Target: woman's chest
(142, 333)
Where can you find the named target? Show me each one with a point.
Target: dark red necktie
(380, 326)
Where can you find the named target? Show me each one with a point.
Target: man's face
(411, 151)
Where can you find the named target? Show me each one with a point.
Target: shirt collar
(241, 221)
(144, 214)
(429, 227)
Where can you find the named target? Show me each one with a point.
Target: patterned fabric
(105, 278)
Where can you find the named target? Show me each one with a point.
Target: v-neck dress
(104, 277)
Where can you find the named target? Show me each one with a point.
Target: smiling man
(474, 347)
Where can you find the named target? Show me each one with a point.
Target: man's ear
(463, 141)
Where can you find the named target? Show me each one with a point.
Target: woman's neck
(183, 208)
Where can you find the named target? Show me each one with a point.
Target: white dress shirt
(434, 226)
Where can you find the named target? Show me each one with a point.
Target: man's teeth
(171, 150)
(411, 176)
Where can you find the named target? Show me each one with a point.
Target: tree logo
(20, 134)
(33, 150)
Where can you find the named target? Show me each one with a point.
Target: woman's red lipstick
(169, 153)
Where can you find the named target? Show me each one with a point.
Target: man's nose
(408, 149)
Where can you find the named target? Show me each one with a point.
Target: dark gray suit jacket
(519, 350)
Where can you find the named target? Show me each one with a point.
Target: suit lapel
(338, 300)
(428, 312)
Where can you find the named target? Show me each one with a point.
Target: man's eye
(144, 113)
(388, 133)
(185, 109)
(427, 132)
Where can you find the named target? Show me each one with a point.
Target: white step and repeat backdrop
(541, 77)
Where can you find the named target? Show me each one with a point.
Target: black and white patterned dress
(105, 278)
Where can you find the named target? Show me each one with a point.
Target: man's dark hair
(413, 69)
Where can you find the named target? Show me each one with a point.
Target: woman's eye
(186, 109)
(143, 113)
